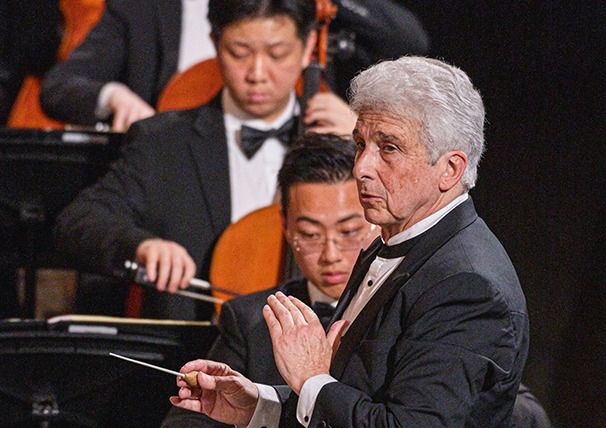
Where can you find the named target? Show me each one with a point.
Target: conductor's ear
(452, 166)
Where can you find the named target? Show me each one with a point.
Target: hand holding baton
(190, 378)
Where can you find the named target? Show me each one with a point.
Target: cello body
(250, 254)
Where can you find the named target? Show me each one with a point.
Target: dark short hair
(316, 158)
(222, 13)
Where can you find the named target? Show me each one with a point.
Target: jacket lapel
(209, 153)
(365, 258)
(429, 242)
(169, 22)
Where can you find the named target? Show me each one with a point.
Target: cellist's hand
(167, 263)
(327, 113)
(126, 107)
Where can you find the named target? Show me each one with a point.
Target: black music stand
(59, 373)
(40, 173)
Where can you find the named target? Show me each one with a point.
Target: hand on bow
(167, 263)
(301, 347)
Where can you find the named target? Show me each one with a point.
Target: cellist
(184, 176)
(118, 73)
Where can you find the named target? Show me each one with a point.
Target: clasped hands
(301, 350)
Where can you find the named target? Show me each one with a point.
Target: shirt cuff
(103, 111)
(308, 395)
(268, 410)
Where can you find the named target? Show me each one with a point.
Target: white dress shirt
(317, 296)
(379, 271)
(253, 182)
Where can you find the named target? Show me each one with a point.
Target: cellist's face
(326, 229)
(261, 60)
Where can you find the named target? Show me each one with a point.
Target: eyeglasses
(313, 243)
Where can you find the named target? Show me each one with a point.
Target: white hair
(437, 95)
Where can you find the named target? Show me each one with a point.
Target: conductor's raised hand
(167, 263)
(222, 394)
(301, 347)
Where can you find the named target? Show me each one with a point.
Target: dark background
(541, 70)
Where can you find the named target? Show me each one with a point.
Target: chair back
(192, 87)
(79, 17)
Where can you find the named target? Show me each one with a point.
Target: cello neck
(313, 74)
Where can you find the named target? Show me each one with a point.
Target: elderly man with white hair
(432, 329)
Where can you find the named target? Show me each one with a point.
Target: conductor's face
(326, 229)
(397, 184)
(261, 60)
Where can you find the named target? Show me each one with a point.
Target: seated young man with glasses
(325, 227)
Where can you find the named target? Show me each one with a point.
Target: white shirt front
(253, 182)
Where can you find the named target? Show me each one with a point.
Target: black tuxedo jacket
(441, 344)
(244, 344)
(172, 182)
(135, 43)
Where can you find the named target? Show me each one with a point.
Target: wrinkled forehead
(373, 123)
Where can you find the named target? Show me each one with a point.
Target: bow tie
(324, 311)
(252, 139)
(398, 250)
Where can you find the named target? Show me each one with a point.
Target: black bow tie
(252, 139)
(324, 311)
(398, 250)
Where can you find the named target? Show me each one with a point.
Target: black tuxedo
(135, 43)
(442, 342)
(244, 344)
(172, 182)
